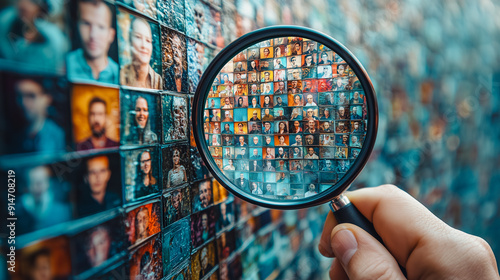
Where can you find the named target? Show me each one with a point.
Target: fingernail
(344, 245)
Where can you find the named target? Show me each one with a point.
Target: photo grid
(285, 118)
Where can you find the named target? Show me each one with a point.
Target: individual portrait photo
(356, 113)
(95, 115)
(280, 75)
(145, 262)
(356, 141)
(253, 65)
(202, 227)
(253, 77)
(240, 101)
(140, 168)
(138, 128)
(95, 247)
(280, 88)
(198, 56)
(341, 152)
(309, 60)
(339, 84)
(295, 48)
(325, 58)
(341, 70)
(225, 245)
(37, 110)
(145, 7)
(45, 259)
(310, 113)
(343, 166)
(176, 245)
(240, 89)
(266, 76)
(255, 128)
(34, 34)
(327, 152)
(357, 127)
(174, 60)
(310, 99)
(175, 165)
(309, 86)
(294, 61)
(254, 102)
(98, 184)
(266, 88)
(241, 180)
(253, 54)
(139, 51)
(266, 52)
(202, 195)
(357, 97)
(143, 222)
(95, 54)
(280, 51)
(327, 140)
(309, 47)
(325, 85)
(203, 23)
(241, 141)
(325, 113)
(294, 74)
(44, 197)
(327, 165)
(176, 205)
(341, 98)
(240, 128)
(175, 117)
(171, 13)
(324, 71)
(354, 153)
(227, 128)
(241, 153)
(239, 64)
(203, 261)
(240, 78)
(326, 98)
(225, 215)
(342, 113)
(294, 87)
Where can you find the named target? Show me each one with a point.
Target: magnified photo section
(290, 123)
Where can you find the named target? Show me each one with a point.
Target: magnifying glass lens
(285, 119)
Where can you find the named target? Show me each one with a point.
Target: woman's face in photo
(146, 162)
(141, 112)
(176, 158)
(296, 99)
(142, 41)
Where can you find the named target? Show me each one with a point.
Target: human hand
(413, 237)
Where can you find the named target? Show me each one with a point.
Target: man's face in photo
(97, 119)
(95, 27)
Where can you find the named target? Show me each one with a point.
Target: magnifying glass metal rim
(249, 40)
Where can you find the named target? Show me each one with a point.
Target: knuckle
(390, 188)
(381, 269)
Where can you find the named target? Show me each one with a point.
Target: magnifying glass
(286, 117)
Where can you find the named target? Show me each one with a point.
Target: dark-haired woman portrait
(145, 182)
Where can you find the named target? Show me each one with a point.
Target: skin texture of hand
(413, 237)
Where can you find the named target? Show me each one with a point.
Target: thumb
(361, 255)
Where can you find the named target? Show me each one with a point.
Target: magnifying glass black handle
(345, 212)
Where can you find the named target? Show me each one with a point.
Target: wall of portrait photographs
(285, 118)
(96, 126)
